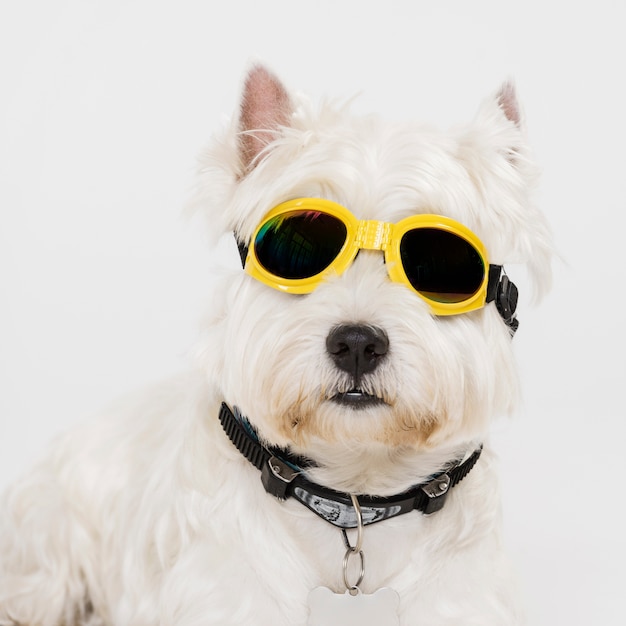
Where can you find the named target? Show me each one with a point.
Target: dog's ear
(494, 149)
(507, 101)
(265, 107)
(499, 125)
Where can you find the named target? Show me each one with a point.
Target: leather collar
(283, 476)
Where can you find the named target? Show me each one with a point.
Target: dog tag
(337, 609)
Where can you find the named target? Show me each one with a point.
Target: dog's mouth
(357, 399)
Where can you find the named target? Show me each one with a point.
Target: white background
(104, 107)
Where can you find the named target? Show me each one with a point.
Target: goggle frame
(370, 235)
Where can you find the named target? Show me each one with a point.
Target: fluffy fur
(149, 515)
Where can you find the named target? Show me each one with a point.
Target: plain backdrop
(104, 108)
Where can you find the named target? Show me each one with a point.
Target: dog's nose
(356, 348)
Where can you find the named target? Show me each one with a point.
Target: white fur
(149, 515)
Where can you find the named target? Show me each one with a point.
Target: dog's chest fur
(185, 521)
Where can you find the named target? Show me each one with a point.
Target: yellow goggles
(302, 242)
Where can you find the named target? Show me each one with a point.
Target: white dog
(327, 461)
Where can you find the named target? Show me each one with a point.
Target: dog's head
(362, 360)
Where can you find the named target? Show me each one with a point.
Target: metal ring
(359, 527)
(346, 560)
(352, 550)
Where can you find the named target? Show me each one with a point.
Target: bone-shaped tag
(337, 609)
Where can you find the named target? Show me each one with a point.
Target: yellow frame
(370, 235)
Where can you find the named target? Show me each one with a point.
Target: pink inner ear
(507, 100)
(264, 107)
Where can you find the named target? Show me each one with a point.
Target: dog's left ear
(265, 107)
(509, 105)
(507, 101)
(498, 126)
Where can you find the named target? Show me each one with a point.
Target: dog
(326, 460)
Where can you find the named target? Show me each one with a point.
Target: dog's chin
(357, 400)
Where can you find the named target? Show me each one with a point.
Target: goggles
(302, 242)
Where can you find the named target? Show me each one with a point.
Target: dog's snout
(357, 349)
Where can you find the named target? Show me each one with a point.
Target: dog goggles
(302, 242)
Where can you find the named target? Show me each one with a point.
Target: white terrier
(327, 462)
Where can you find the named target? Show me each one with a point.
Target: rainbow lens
(299, 244)
(441, 265)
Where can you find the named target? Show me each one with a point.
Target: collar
(282, 476)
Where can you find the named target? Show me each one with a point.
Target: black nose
(357, 349)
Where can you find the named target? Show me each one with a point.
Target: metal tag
(336, 609)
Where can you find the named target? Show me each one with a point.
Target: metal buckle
(437, 492)
(276, 477)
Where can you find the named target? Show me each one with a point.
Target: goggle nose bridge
(373, 235)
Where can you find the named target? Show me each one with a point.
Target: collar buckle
(437, 492)
(276, 477)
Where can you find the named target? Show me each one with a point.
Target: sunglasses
(302, 242)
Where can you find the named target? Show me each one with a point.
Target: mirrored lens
(299, 244)
(442, 266)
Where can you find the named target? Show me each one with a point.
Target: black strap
(504, 293)
(243, 251)
(281, 475)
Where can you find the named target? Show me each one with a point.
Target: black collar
(282, 477)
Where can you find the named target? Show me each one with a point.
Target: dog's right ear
(265, 107)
